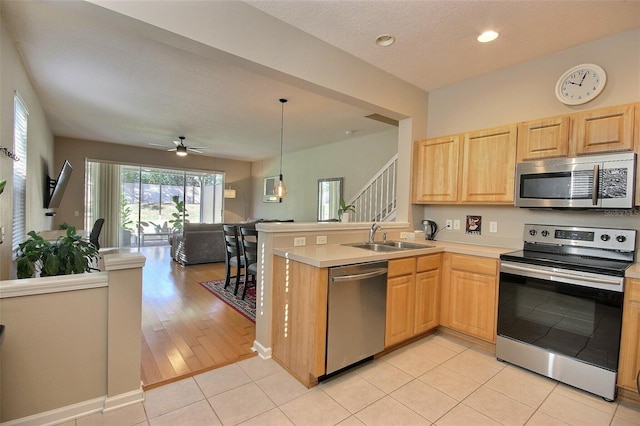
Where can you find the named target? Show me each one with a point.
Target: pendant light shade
(281, 189)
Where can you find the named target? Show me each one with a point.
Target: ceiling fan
(181, 149)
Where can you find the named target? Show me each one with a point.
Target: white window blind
(21, 115)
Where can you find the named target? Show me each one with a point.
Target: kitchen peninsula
(298, 307)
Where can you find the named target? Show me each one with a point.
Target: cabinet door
(629, 365)
(543, 138)
(435, 170)
(488, 166)
(603, 130)
(427, 305)
(469, 295)
(400, 311)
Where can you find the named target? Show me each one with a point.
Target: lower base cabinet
(299, 318)
(469, 295)
(413, 287)
(629, 366)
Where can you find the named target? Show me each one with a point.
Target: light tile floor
(438, 380)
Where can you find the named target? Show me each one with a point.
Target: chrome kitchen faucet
(372, 232)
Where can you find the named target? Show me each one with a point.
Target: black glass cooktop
(569, 261)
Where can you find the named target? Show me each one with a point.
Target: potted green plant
(69, 254)
(344, 210)
(179, 217)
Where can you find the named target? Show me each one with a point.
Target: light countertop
(633, 271)
(324, 256)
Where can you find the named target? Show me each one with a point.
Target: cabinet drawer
(633, 290)
(402, 266)
(477, 265)
(428, 262)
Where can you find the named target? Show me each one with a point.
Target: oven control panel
(601, 238)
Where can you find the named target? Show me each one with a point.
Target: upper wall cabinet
(543, 138)
(488, 166)
(476, 167)
(436, 163)
(603, 130)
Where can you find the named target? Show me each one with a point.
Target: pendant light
(280, 189)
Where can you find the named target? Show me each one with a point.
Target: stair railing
(376, 201)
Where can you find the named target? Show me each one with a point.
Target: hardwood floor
(185, 329)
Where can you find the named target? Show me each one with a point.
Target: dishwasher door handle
(370, 274)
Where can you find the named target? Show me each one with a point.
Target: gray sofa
(199, 243)
(204, 242)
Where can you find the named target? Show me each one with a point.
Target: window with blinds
(19, 227)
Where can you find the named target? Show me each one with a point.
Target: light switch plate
(299, 241)
(456, 224)
(493, 226)
(321, 239)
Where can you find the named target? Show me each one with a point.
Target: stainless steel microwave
(590, 182)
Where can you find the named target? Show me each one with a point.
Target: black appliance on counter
(560, 304)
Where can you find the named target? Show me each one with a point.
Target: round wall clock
(580, 84)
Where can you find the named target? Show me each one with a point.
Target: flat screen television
(55, 188)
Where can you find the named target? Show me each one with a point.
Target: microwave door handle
(596, 185)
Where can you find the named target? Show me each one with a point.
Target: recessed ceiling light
(385, 40)
(487, 36)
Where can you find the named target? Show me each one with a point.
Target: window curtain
(104, 201)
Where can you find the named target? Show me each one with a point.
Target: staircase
(376, 201)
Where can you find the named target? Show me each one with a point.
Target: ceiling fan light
(487, 36)
(181, 150)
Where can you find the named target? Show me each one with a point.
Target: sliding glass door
(153, 203)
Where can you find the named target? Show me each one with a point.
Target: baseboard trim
(60, 415)
(264, 353)
(81, 409)
(123, 400)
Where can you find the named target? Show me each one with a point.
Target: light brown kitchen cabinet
(413, 288)
(436, 164)
(469, 295)
(545, 138)
(299, 318)
(401, 291)
(629, 365)
(488, 166)
(603, 130)
(427, 315)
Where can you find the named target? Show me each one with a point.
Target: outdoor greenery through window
(152, 203)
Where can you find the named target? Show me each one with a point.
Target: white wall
(13, 77)
(526, 92)
(356, 160)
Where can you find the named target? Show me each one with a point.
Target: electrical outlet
(403, 235)
(321, 239)
(449, 224)
(493, 226)
(299, 241)
(456, 224)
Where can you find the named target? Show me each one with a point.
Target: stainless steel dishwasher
(356, 313)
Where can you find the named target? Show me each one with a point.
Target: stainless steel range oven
(560, 304)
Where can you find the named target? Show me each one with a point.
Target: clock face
(580, 84)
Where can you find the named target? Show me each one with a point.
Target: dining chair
(95, 232)
(234, 254)
(250, 253)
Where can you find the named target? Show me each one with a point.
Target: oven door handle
(553, 274)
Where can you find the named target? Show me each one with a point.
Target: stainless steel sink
(388, 245)
(374, 246)
(406, 245)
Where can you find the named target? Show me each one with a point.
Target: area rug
(246, 307)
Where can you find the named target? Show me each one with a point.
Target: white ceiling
(100, 79)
